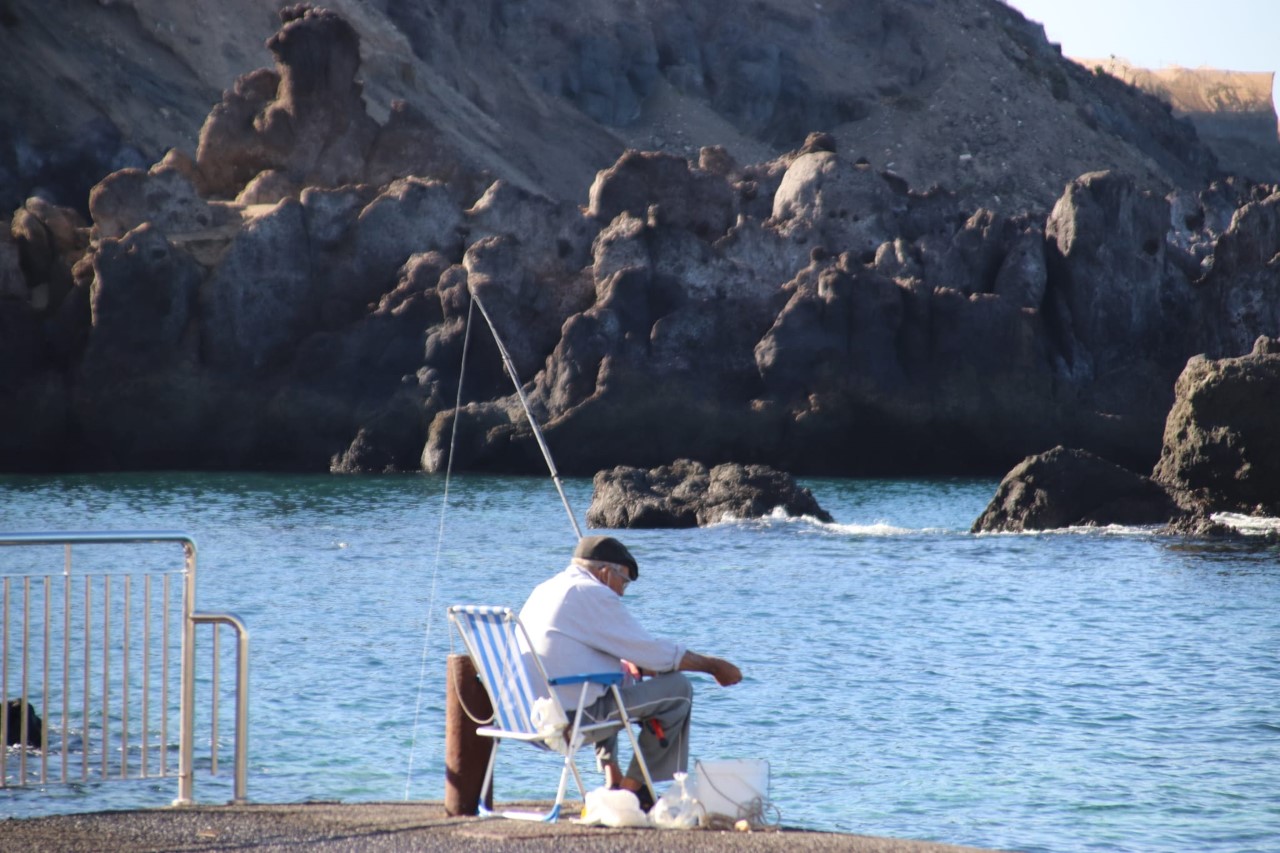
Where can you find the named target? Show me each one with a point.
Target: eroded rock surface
(1221, 454)
(1222, 439)
(688, 494)
(299, 295)
(546, 93)
(1073, 488)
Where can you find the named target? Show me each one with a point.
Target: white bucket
(732, 788)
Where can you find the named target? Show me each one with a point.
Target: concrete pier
(396, 827)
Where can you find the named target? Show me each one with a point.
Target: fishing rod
(555, 478)
(533, 422)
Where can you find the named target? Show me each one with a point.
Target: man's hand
(725, 673)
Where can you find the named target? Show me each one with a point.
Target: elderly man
(578, 624)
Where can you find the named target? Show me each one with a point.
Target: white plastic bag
(550, 721)
(675, 809)
(615, 807)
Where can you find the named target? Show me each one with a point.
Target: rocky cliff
(1233, 111)
(866, 237)
(543, 94)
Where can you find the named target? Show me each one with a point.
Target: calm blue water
(1069, 692)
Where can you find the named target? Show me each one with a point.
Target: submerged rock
(13, 710)
(686, 494)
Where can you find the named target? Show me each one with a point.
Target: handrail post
(187, 699)
(242, 715)
(242, 696)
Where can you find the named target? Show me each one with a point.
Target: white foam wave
(1250, 525)
(1081, 530)
(881, 527)
(878, 527)
(777, 515)
(1109, 530)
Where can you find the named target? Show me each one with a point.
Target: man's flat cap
(608, 550)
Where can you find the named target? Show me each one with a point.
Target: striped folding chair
(525, 708)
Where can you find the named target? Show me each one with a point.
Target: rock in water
(1222, 438)
(686, 494)
(13, 710)
(1070, 488)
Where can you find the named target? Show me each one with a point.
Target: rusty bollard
(466, 754)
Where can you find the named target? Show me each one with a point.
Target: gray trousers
(667, 698)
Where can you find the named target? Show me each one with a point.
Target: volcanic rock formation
(1221, 448)
(1221, 453)
(299, 294)
(687, 494)
(544, 94)
(1073, 488)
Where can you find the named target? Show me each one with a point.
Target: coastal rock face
(305, 120)
(305, 292)
(687, 198)
(35, 394)
(128, 198)
(1107, 257)
(1120, 309)
(1222, 439)
(687, 494)
(545, 94)
(50, 241)
(1238, 299)
(1070, 488)
(1221, 453)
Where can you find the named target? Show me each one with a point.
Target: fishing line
(474, 303)
(435, 571)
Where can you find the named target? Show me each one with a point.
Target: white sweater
(578, 626)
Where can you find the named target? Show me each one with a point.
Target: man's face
(617, 578)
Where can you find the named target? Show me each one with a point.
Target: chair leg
(572, 766)
(635, 744)
(549, 816)
(575, 743)
(483, 810)
(564, 781)
(577, 777)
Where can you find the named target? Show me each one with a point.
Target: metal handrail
(187, 673)
(186, 781)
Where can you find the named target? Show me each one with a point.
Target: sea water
(1104, 689)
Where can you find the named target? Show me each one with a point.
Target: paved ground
(394, 827)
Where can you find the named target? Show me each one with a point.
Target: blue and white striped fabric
(515, 680)
(490, 635)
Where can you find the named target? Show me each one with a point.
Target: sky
(1231, 35)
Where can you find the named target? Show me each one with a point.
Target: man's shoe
(645, 798)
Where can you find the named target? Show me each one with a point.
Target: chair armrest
(593, 678)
